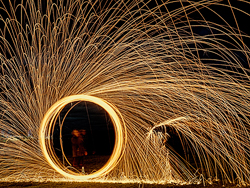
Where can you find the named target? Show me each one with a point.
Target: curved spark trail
(167, 67)
(46, 127)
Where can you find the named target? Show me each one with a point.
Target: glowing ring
(120, 137)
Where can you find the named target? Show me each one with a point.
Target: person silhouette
(75, 147)
(82, 147)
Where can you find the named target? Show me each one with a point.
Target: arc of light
(120, 134)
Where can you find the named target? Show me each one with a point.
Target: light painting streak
(47, 124)
(164, 69)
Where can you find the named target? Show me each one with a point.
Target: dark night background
(99, 128)
(93, 119)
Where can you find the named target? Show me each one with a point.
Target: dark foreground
(105, 185)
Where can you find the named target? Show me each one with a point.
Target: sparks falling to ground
(166, 69)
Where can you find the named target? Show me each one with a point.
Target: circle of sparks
(47, 125)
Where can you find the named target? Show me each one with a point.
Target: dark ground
(105, 185)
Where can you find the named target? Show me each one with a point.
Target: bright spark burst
(148, 62)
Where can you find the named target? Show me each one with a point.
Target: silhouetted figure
(82, 147)
(75, 147)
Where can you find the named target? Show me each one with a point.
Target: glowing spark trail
(51, 115)
(161, 69)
